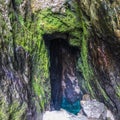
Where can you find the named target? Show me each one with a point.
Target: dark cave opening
(65, 91)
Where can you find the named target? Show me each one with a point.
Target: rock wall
(15, 69)
(103, 44)
(54, 5)
(91, 25)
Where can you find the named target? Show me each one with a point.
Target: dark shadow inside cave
(65, 91)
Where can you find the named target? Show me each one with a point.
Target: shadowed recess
(65, 91)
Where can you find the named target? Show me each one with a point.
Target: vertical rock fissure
(55, 74)
(65, 91)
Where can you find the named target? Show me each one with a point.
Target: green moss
(51, 22)
(83, 63)
(29, 36)
(48, 22)
(15, 111)
(86, 69)
(3, 110)
(41, 83)
(118, 90)
(18, 2)
(65, 23)
(75, 38)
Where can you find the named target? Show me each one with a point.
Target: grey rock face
(54, 5)
(94, 109)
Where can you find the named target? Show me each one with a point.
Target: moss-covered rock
(103, 44)
(93, 26)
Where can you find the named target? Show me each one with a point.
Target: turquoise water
(71, 107)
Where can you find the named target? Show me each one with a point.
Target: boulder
(94, 109)
(91, 110)
(62, 115)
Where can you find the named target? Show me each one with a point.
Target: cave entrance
(65, 92)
